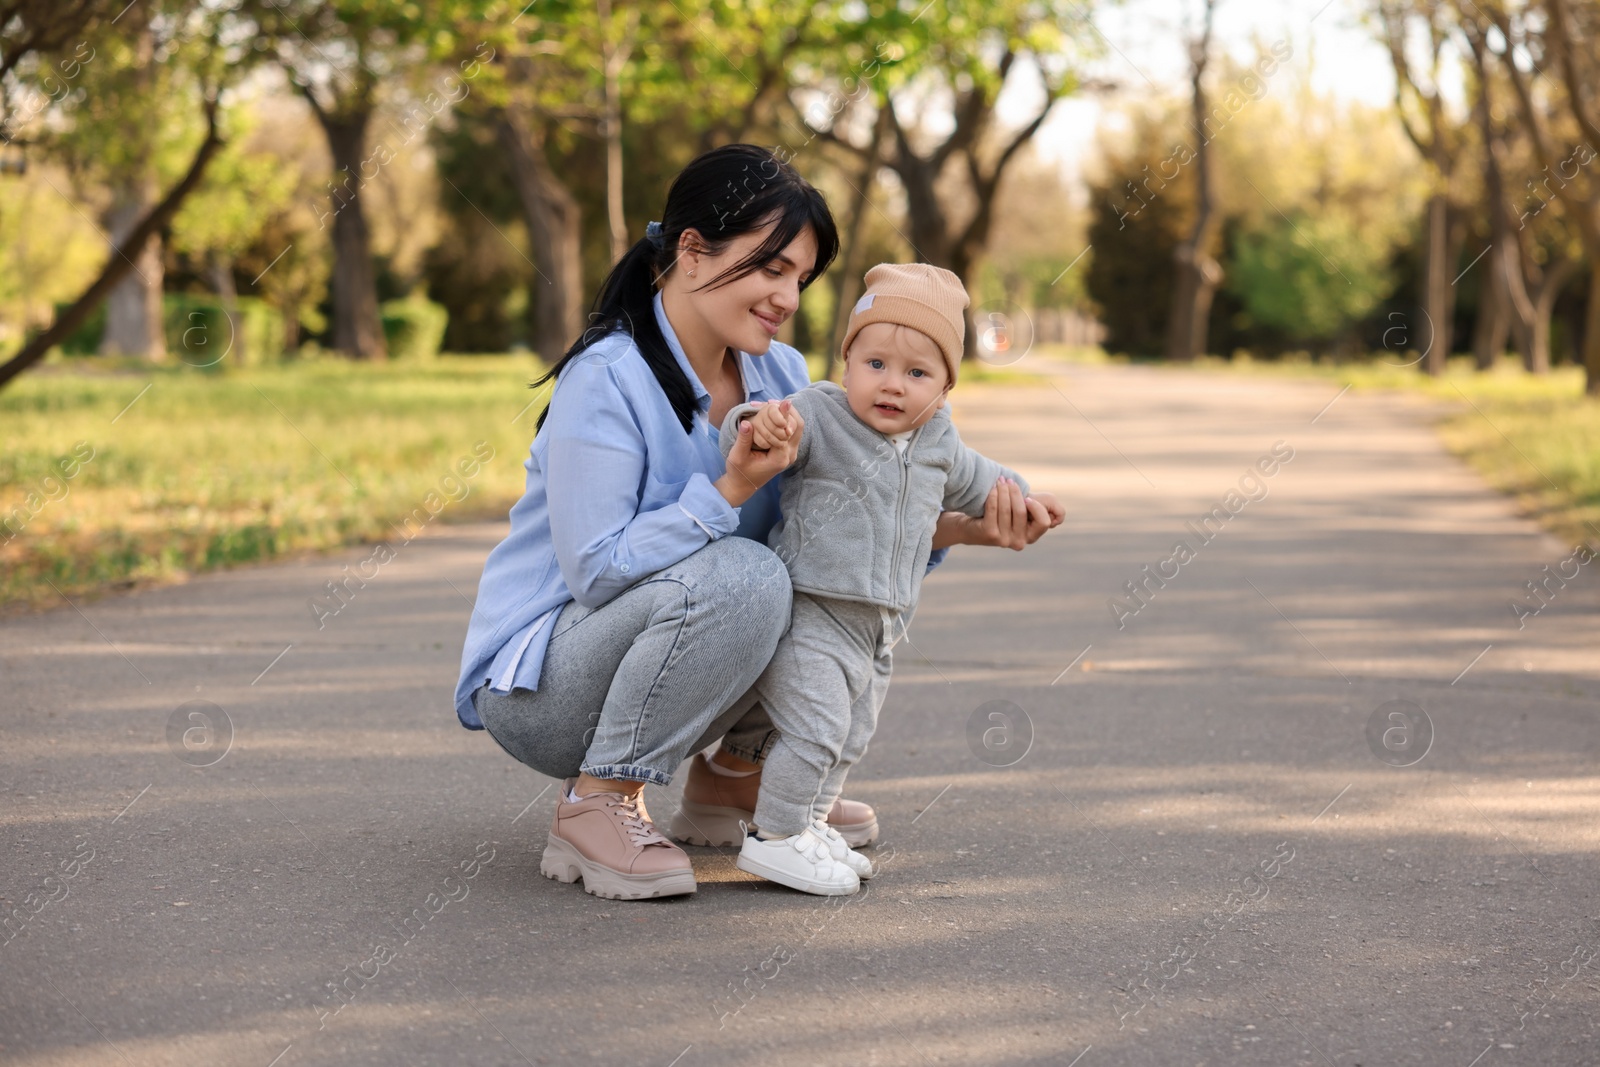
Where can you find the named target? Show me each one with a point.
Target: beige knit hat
(928, 299)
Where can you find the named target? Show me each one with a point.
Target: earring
(691, 274)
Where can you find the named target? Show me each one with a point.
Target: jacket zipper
(900, 514)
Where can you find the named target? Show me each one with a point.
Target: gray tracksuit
(856, 534)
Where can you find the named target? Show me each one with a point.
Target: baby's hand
(773, 424)
(1054, 513)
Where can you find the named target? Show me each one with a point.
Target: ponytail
(705, 198)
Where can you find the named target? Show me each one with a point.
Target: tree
(134, 324)
(121, 134)
(966, 53)
(1133, 231)
(1198, 272)
(1282, 278)
(1316, 196)
(847, 277)
(226, 215)
(1557, 44)
(560, 76)
(33, 28)
(614, 52)
(1420, 105)
(22, 40)
(1528, 265)
(337, 53)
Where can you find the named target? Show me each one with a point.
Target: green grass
(1536, 437)
(210, 470)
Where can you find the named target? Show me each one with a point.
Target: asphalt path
(1319, 794)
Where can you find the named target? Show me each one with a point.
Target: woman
(619, 627)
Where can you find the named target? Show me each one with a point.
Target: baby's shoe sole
(566, 864)
(708, 824)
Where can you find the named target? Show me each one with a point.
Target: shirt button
(623, 568)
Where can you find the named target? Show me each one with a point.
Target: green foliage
(48, 252)
(133, 119)
(1343, 174)
(85, 340)
(241, 191)
(1310, 277)
(200, 334)
(1133, 230)
(413, 328)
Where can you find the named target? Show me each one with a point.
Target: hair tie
(655, 234)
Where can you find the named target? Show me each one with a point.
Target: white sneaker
(803, 861)
(841, 851)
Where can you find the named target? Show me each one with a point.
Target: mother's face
(746, 313)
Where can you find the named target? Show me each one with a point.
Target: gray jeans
(629, 689)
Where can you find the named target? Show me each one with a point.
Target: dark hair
(721, 194)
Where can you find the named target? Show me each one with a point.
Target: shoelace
(641, 831)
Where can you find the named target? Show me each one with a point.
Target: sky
(1144, 53)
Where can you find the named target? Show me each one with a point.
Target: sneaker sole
(858, 835)
(566, 864)
(805, 885)
(712, 825)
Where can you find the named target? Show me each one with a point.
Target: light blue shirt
(632, 494)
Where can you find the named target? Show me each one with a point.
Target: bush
(198, 332)
(413, 328)
(85, 340)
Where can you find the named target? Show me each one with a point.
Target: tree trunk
(357, 328)
(1543, 295)
(1494, 311)
(134, 325)
(221, 275)
(930, 237)
(133, 309)
(847, 278)
(553, 217)
(1591, 332)
(1437, 306)
(612, 59)
(1506, 284)
(1198, 273)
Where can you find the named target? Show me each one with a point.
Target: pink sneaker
(856, 822)
(608, 840)
(714, 805)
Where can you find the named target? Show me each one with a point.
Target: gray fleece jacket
(858, 517)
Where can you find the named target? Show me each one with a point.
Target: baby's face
(895, 377)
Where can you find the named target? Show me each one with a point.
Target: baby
(876, 461)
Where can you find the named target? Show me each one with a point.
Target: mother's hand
(1009, 520)
(750, 468)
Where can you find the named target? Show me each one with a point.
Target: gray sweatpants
(822, 688)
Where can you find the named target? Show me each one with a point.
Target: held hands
(768, 442)
(773, 425)
(1009, 520)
